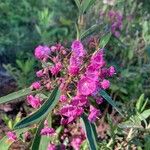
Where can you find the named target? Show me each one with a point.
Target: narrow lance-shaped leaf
(37, 137)
(86, 4)
(90, 133)
(89, 31)
(15, 95)
(110, 101)
(104, 40)
(78, 4)
(42, 112)
(139, 103)
(41, 142)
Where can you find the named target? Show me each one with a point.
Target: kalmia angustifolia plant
(76, 77)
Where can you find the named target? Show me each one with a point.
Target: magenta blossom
(105, 84)
(47, 131)
(94, 113)
(73, 70)
(111, 71)
(76, 143)
(79, 100)
(63, 98)
(42, 52)
(35, 86)
(12, 136)
(99, 100)
(39, 73)
(70, 113)
(34, 101)
(51, 147)
(77, 48)
(86, 86)
(97, 59)
(56, 68)
(92, 72)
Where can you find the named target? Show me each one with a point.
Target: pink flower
(11, 136)
(63, 98)
(56, 69)
(76, 143)
(70, 113)
(73, 70)
(79, 101)
(42, 52)
(94, 113)
(47, 131)
(39, 73)
(35, 86)
(99, 100)
(35, 102)
(97, 59)
(111, 71)
(78, 48)
(51, 147)
(86, 86)
(75, 61)
(105, 84)
(92, 72)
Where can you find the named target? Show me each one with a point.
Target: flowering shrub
(71, 85)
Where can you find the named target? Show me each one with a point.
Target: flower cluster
(79, 80)
(81, 74)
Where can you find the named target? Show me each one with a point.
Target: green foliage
(90, 132)
(41, 113)
(15, 95)
(23, 73)
(41, 142)
(110, 101)
(30, 22)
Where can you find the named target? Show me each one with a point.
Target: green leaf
(41, 142)
(104, 40)
(144, 105)
(5, 143)
(78, 4)
(145, 114)
(94, 130)
(42, 112)
(147, 144)
(90, 133)
(139, 103)
(110, 101)
(89, 31)
(86, 4)
(37, 137)
(15, 95)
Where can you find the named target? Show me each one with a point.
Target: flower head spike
(77, 48)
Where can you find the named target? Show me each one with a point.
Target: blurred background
(24, 24)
